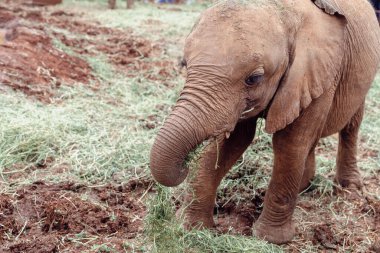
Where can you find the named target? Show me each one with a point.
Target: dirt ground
(28, 59)
(47, 217)
(32, 62)
(69, 217)
(331, 222)
(51, 217)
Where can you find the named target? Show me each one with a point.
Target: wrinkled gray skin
(311, 64)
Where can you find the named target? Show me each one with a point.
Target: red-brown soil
(35, 2)
(31, 63)
(45, 217)
(130, 54)
(46, 2)
(332, 223)
(240, 216)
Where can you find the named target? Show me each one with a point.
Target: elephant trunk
(176, 139)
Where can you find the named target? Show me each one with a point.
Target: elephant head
(265, 59)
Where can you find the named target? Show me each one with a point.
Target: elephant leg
(112, 4)
(275, 222)
(347, 174)
(130, 4)
(309, 171)
(294, 165)
(199, 204)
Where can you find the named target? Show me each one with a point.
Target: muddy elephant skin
(303, 65)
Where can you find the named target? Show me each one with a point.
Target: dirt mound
(44, 218)
(324, 235)
(340, 220)
(64, 20)
(30, 62)
(130, 54)
(330, 221)
(240, 205)
(35, 2)
(241, 215)
(45, 2)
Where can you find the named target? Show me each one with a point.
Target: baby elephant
(305, 66)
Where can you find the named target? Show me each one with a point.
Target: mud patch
(45, 217)
(324, 236)
(42, 244)
(237, 217)
(335, 222)
(30, 62)
(327, 221)
(129, 54)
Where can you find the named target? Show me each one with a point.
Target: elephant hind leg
(199, 204)
(112, 4)
(347, 174)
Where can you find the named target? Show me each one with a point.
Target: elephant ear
(315, 60)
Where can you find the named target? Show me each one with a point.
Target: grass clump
(206, 241)
(97, 133)
(167, 234)
(161, 227)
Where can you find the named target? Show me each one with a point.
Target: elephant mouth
(253, 108)
(216, 139)
(246, 113)
(192, 158)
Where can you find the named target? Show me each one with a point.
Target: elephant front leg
(309, 172)
(347, 174)
(290, 155)
(200, 201)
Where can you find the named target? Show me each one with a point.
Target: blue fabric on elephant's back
(376, 5)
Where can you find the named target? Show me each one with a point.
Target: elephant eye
(253, 79)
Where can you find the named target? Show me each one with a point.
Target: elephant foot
(349, 177)
(351, 186)
(350, 192)
(350, 183)
(195, 220)
(306, 186)
(273, 233)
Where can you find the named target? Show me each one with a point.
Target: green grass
(144, 17)
(370, 129)
(98, 133)
(168, 235)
